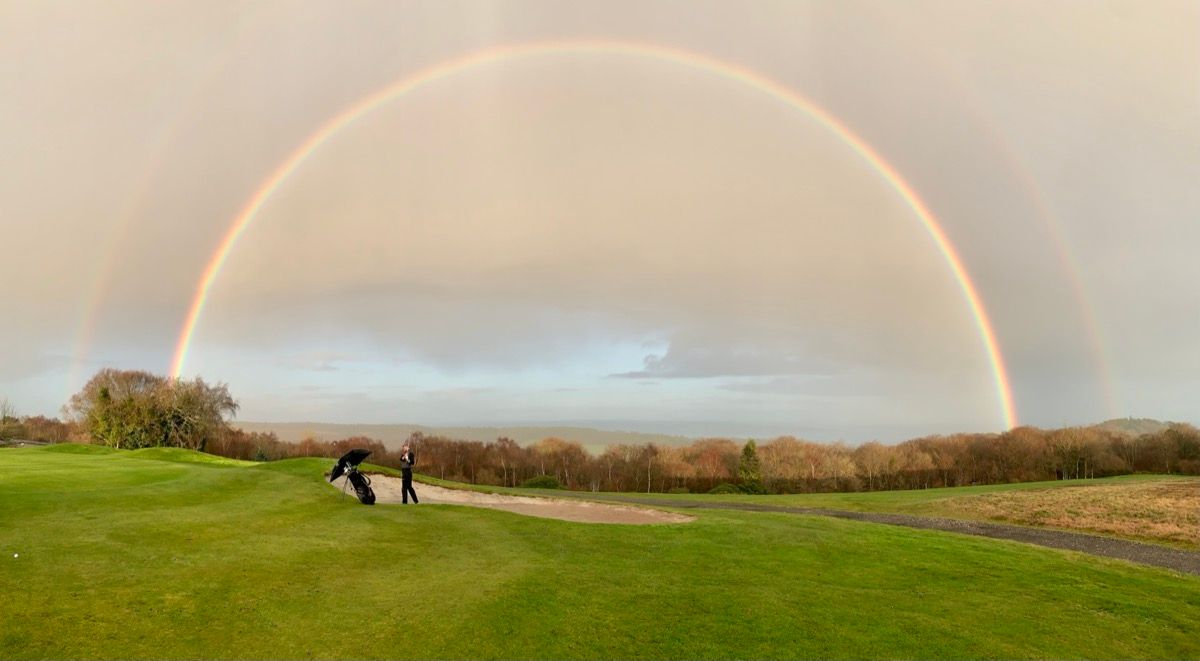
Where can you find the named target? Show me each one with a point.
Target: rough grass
(1158, 510)
(890, 501)
(124, 556)
(1161, 509)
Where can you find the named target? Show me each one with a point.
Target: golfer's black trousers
(407, 489)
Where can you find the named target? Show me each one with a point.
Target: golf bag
(348, 466)
(362, 486)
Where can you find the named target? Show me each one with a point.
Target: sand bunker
(387, 490)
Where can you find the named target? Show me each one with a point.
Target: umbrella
(351, 458)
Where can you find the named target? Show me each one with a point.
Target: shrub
(542, 482)
(753, 488)
(724, 487)
(678, 490)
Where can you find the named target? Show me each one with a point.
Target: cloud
(778, 386)
(572, 217)
(695, 356)
(320, 361)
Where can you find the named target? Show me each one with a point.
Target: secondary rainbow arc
(686, 58)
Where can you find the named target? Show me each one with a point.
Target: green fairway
(170, 554)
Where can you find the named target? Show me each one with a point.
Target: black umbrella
(351, 458)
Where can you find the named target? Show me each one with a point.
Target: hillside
(393, 435)
(1133, 426)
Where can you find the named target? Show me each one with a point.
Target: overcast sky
(608, 238)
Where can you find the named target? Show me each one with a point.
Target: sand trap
(387, 490)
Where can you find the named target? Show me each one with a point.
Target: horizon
(669, 429)
(857, 222)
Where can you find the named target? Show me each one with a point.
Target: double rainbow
(722, 69)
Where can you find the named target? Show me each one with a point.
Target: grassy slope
(919, 501)
(135, 555)
(1015, 503)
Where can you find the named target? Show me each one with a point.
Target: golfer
(407, 459)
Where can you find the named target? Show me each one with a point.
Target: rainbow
(747, 77)
(160, 143)
(1032, 192)
(1069, 264)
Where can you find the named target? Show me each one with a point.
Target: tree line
(131, 409)
(790, 465)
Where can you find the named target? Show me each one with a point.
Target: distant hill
(393, 435)
(1133, 426)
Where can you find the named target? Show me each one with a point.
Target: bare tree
(9, 425)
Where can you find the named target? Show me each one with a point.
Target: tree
(872, 459)
(645, 454)
(41, 428)
(565, 459)
(749, 469)
(136, 409)
(676, 465)
(192, 413)
(842, 468)
(915, 465)
(715, 461)
(1185, 440)
(508, 453)
(10, 426)
(784, 460)
(617, 461)
(1067, 451)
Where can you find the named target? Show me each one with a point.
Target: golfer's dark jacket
(406, 462)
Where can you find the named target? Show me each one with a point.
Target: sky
(682, 217)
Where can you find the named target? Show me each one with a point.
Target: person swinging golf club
(407, 459)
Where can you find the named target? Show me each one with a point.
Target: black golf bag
(348, 466)
(362, 486)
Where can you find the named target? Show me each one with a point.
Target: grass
(165, 555)
(1155, 510)
(1163, 509)
(878, 501)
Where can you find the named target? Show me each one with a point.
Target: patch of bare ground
(1166, 511)
(388, 490)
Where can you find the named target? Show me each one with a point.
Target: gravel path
(1155, 555)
